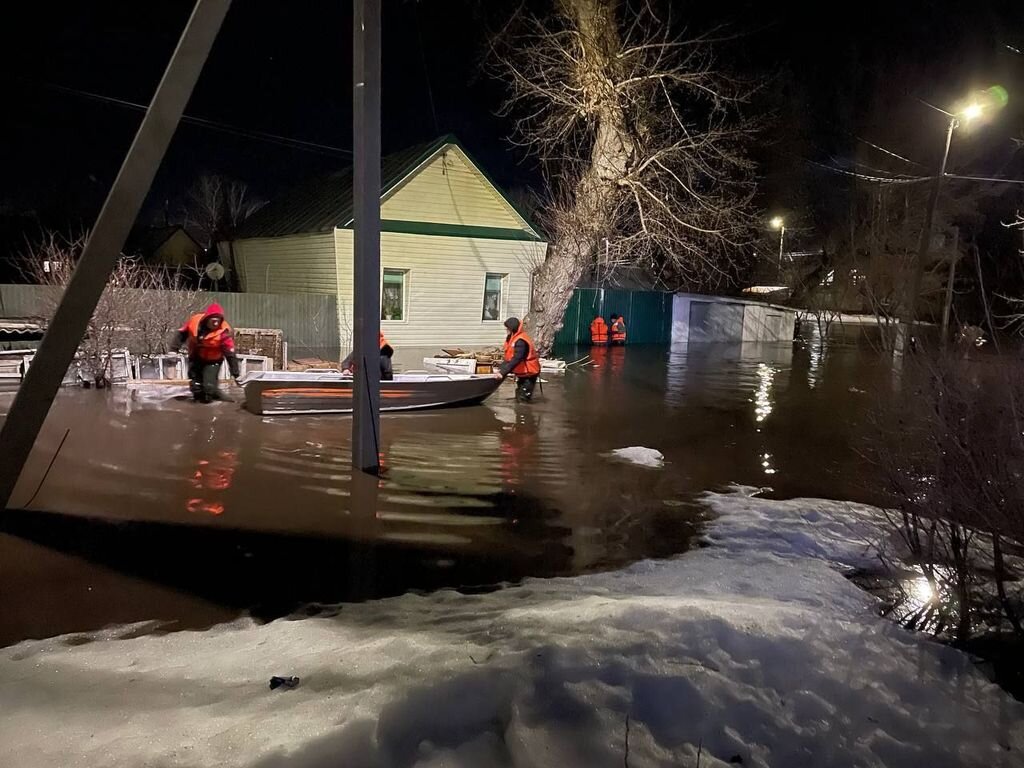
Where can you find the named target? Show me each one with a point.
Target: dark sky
(285, 68)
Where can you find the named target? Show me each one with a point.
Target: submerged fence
(648, 315)
(309, 321)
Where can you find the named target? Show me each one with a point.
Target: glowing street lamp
(779, 223)
(994, 97)
(972, 112)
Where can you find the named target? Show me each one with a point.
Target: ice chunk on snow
(645, 457)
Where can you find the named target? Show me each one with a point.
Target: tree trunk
(582, 224)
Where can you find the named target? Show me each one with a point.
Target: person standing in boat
(210, 342)
(387, 372)
(521, 360)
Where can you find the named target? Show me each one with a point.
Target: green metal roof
(324, 203)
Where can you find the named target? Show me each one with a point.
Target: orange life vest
(598, 331)
(210, 347)
(531, 365)
(619, 330)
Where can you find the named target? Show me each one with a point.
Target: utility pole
(366, 239)
(949, 286)
(926, 233)
(103, 248)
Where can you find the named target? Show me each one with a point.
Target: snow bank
(767, 657)
(636, 454)
(842, 533)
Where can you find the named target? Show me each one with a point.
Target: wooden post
(103, 248)
(366, 240)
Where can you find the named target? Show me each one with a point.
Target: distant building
(169, 246)
(457, 255)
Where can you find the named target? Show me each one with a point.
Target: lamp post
(779, 223)
(966, 115)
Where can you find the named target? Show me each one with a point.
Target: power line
(888, 152)
(866, 177)
(423, 61)
(984, 178)
(286, 141)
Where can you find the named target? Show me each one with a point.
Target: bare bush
(138, 310)
(950, 449)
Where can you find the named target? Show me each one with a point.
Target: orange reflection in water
(211, 477)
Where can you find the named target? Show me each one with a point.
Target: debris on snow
(283, 682)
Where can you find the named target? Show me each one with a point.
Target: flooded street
(158, 509)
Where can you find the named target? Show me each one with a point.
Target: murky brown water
(160, 509)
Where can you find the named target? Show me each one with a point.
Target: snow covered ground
(753, 651)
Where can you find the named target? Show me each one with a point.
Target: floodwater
(159, 510)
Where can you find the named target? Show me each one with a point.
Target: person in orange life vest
(387, 373)
(210, 342)
(618, 334)
(521, 360)
(598, 331)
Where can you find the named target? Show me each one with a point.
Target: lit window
(492, 296)
(392, 295)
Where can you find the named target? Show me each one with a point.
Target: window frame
(405, 293)
(502, 294)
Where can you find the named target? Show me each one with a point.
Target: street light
(969, 112)
(779, 223)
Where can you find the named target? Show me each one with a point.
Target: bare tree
(137, 311)
(640, 137)
(218, 206)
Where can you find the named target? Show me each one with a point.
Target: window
(492, 296)
(392, 295)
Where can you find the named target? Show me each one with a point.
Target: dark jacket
(387, 372)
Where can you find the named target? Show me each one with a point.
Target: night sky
(835, 72)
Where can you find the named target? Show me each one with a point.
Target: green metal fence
(648, 315)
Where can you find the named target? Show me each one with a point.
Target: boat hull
(277, 393)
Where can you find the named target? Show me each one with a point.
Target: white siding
(445, 286)
(293, 264)
(450, 190)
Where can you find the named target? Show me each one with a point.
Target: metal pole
(949, 286)
(926, 234)
(101, 252)
(782, 239)
(366, 240)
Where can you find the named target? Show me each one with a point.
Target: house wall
(444, 286)
(450, 190)
(292, 264)
(178, 250)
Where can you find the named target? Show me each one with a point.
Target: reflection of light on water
(763, 394)
(920, 591)
(766, 464)
(815, 353)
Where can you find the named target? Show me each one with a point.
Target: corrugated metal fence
(648, 315)
(309, 321)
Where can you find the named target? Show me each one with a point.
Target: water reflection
(511, 489)
(763, 394)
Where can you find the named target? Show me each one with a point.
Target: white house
(457, 256)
